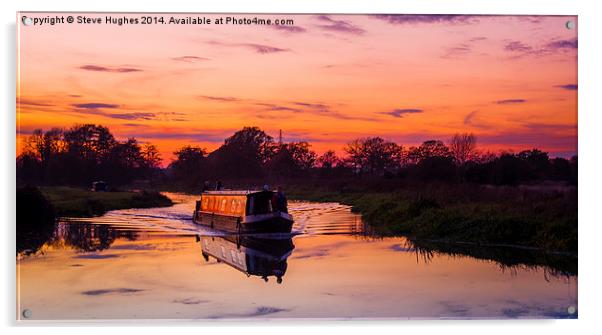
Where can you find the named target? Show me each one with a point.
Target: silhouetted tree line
(251, 153)
(248, 154)
(89, 152)
(82, 154)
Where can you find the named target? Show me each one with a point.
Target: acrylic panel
(296, 166)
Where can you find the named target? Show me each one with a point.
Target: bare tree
(463, 147)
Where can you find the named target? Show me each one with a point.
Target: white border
(590, 111)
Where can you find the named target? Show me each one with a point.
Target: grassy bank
(544, 218)
(78, 202)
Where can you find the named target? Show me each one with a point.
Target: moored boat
(242, 212)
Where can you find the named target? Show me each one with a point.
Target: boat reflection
(262, 257)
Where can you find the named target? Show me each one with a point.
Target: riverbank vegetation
(543, 217)
(38, 208)
(78, 202)
(433, 191)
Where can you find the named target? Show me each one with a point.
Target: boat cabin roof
(235, 192)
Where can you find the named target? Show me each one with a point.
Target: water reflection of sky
(159, 275)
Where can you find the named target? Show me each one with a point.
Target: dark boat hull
(267, 223)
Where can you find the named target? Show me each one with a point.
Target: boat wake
(311, 218)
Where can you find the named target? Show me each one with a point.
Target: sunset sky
(512, 81)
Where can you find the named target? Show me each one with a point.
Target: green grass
(463, 213)
(77, 202)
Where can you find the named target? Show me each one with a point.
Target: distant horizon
(326, 80)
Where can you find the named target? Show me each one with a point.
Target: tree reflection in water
(82, 237)
(507, 258)
(268, 257)
(90, 237)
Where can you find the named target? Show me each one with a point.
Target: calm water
(156, 264)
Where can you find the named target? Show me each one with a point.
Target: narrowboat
(241, 212)
(250, 255)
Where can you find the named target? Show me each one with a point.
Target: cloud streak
(112, 291)
(517, 46)
(220, 99)
(510, 101)
(95, 105)
(569, 87)
(472, 120)
(520, 49)
(399, 113)
(190, 301)
(34, 103)
(468, 119)
(98, 108)
(294, 107)
(288, 29)
(278, 108)
(98, 68)
(190, 59)
(458, 50)
(132, 116)
(563, 44)
(212, 137)
(338, 26)
(257, 312)
(464, 48)
(258, 48)
(403, 19)
(319, 109)
(311, 105)
(263, 49)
